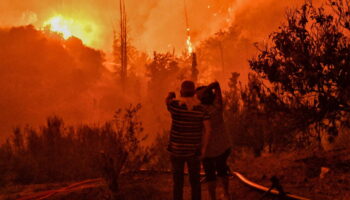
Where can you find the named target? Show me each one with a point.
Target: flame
(189, 42)
(61, 25)
(189, 45)
(68, 27)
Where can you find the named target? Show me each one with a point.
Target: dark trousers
(193, 165)
(217, 165)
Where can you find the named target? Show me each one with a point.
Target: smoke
(229, 49)
(154, 25)
(41, 75)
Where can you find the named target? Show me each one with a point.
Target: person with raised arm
(219, 146)
(188, 138)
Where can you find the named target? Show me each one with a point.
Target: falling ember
(68, 27)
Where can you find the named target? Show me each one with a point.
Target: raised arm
(169, 98)
(217, 90)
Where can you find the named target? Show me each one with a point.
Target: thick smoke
(153, 24)
(248, 23)
(41, 75)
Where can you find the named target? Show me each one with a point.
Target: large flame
(189, 42)
(189, 45)
(68, 27)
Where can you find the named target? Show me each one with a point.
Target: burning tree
(190, 49)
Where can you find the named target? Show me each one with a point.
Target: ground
(298, 172)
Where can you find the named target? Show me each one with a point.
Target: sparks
(188, 32)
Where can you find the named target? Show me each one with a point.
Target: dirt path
(238, 189)
(91, 183)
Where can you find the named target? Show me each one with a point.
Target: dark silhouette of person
(219, 146)
(188, 140)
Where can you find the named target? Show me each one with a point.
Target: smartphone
(172, 95)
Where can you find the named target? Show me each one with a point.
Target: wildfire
(188, 41)
(189, 45)
(188, 30)
(68, 27)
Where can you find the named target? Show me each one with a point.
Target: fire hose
(265, 189)
(86, 184)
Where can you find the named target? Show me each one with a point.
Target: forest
(71, 112)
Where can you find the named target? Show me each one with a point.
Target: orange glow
(189, 45)
(72, 86)
(68, 27)
(189, 42)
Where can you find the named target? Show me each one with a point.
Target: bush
(56, 153)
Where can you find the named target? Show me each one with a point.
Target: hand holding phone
(171, 95)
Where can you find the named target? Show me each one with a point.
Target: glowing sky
(152, 24)
(86, 30)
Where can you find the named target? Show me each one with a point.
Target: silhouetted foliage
(162, 68)
(232, 100)
(222, 51)
(56, 153)
(163, 73)
(251, 121)
(307, 64)
(160, 160)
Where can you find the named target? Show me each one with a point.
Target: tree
(255, 119)
(307, 65)
(123, 43)
(162, 73)
(222, 52)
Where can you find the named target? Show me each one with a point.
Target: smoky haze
(153, 24)
(42, 75)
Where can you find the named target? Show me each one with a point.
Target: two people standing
(197, 133)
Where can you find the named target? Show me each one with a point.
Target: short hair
(187, 89)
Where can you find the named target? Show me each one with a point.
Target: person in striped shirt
(187, 140)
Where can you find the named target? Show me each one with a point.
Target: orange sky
(154, 25)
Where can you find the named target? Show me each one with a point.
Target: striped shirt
(186, 129)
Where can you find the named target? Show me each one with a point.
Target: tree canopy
(307, 65)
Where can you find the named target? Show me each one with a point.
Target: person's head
(206, 97)
(187, 89)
